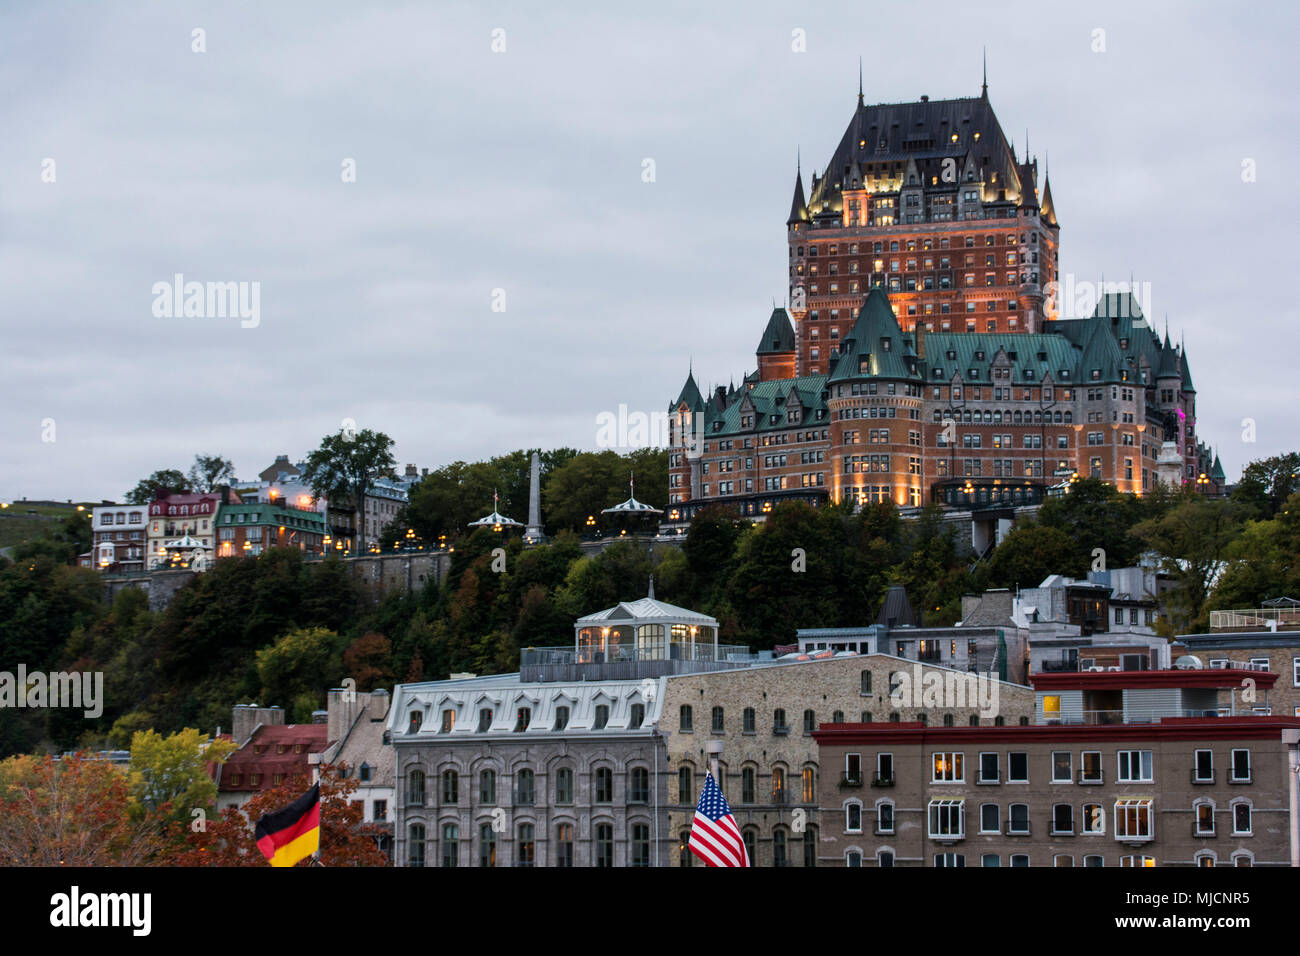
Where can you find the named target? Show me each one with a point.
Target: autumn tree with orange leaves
(344, 841)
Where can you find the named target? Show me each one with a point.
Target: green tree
(168, 480)
(304, 661)
(1094, 515)
(1192, 541)
(1029, 554)
(210, 472)
(169, 775)
(1267, 483)
(346, 466)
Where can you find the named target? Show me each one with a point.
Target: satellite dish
(1189, 662)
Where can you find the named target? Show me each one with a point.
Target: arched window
(564, 844)
(747, 785)
(1203, 811)
(525, 845)
(885, 816)
(947, 720)
(853, 817)
(450, 787)
(686, 785)
(808, 785)
(415, 844)
(640, 786)
(604, 845)
(415, 788)
(1241, 822)
(779, 857)
(604, 778)
(778, 785)
(719, 722)
(564, 785)
(525, 792)
(810, 846)
(837, 717)
(450, 844)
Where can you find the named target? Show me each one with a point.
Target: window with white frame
(948, 768)
(947, 818)
(885, 858)
(853, 858)
(989, 818)
(1241, 766)
(885, 816)
(1134, 766)
(1020, 859)
(1204, 813)
(1093, 859)
(1134, 819)
(884, 767)
(949, 859)
(1241, 825)
(1203, 771)
(1063, 819)
(990, 859)
(1137, 861)
(1090, 767)
(1018, 819)
(1063, 859)
(1093, 819)
(853, 818)
(1062, 766)
(988, 768)
(1017, 767)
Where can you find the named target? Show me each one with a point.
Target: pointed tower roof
(690, 394)
(778, 337)
(876, 347)
(1185, 370)
(1168, 360)
(1101, 353)
(799, 205)
(1048, 210)
(896, 609)
(1216, 472)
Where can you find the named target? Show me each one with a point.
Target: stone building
(769, 768)
(356, 727)
(1266, 639)
(1114, 773)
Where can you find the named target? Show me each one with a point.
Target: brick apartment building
(250, 529)
(921, 358)
(1151, 788)
(118, 539)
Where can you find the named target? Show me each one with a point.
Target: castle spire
(984, 91)
(860, 81)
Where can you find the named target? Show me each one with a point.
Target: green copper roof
(269, 514)
(876, 347)
(690, 394)
(1033, 357)
(778, 337)
(775, 397)
(1185, 370)
(1168, 367)
(1217, 471)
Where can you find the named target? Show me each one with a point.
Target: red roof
(273, 749)
(1120, 680)
(1169, 728)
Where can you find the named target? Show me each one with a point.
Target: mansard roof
(1032, 357)
(921, 132)
(778, 337)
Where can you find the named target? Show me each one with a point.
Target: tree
(166, 481)
(1028, 554)
(73, 811)
(1267, 483)
(344, 839)
(1095, 515)
(169, 775)
(367, 661)
(346, 466)
(1192, 541)
(303, 661)
(210, 472)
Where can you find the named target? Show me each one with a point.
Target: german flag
(289, 835)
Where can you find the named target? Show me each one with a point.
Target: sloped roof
(647, 608)
(1185, 370)
(1168, 367)
(896, 610)
(690, 394)
(778, 337)
(1048, 210)
(876, 346)
(1032, 356)
(798, 206)
(771, 398)
(494, 519)
(632, 506)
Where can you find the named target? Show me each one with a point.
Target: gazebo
(495, 521)
(631, 511)
(645, 630)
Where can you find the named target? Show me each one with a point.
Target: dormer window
(979, 355)
(951, 353)
(364, 773)
(885, 344)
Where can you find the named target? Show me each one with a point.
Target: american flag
(715, 838)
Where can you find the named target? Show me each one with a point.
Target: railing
(1052, 667)
(850, 781)
(1254, 618)
(1134, 717)
(878, 781)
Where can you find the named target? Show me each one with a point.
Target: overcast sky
(522, 171)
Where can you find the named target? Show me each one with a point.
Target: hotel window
(1137, 861)
(1133, 819)
(523, 717)
(1240, 766)
(948, 768)
(525, 845)
(604, 785)
(564, 785)
(808, 785)
(853, 818)
(1018, 819)
(686, 719)
(989, 822)
(1020, 859)
(1063, 819)
(809, 721)
(1093, 819)
(450, 786)
(885, 816)
(484, 720)
(748, 720)
(448, 721)
(1062, 766)
(487, 787)
(602, 717)
(1090, 766)
(949, 859)
(1134, 766)
(1204, 772)
(853, 859)
(778, 785)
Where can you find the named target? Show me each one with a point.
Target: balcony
(850, 781)
(567, 665)
(878, 781)
(1256, 619)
